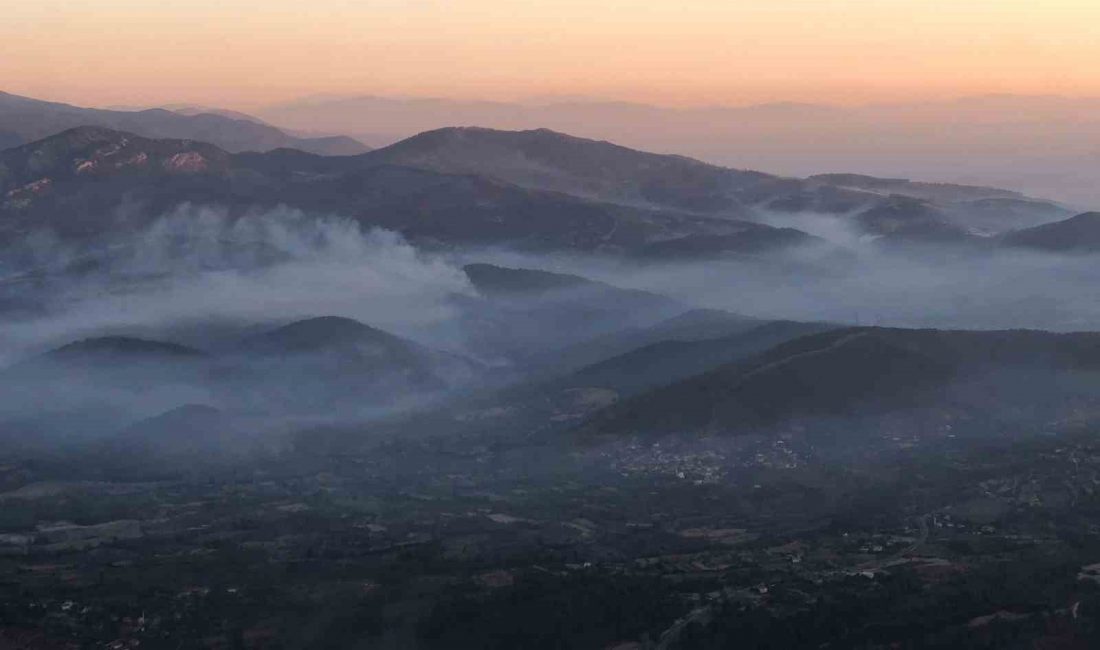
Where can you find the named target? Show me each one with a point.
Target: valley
(492, 389)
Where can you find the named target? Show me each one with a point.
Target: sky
(245, 53)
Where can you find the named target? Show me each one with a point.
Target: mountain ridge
(568, 193)
(24, 120)
(424, 205)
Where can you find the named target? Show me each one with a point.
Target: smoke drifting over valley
(452, 363)
(195, 266)
(361, 325)
(867, 284)
(88, 338)
(200, 275)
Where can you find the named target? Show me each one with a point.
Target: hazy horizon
(702, 52)
(991, 92)
(173, 102)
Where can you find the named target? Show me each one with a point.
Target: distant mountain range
(532, 189)
(1040, 145)
(24, 120)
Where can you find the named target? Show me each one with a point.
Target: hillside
(107, 361)
(1079, 234)
(1043, 145)
(490, 279)
(93, 173)
(314, 367)
(191, 431)
(351, 347)
(520, 315)
(544, 159)
(330, 360)
(669, 361)
(691, 325)
(537, 190)
(116, 349)
(859, 372)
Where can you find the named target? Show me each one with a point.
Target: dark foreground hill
(181, 441)
(189, 430)
(856, 372)
(668, 361)
(1079, 234)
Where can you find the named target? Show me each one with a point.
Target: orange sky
(242, 53)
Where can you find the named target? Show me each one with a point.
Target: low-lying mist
(419, 329)
(197, 267)
(196, 271)
(866, 282)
